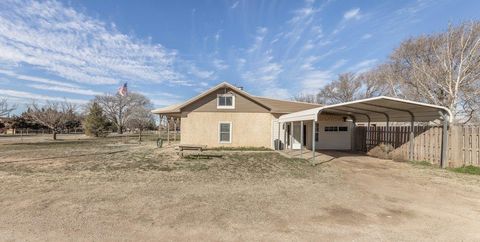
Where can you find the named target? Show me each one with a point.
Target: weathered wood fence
(463, 143)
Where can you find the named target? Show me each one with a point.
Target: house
(226, 115)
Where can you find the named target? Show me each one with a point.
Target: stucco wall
(209, 104)
(248, 129)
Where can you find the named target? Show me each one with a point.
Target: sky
(173, 50)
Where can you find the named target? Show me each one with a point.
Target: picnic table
(184, 147)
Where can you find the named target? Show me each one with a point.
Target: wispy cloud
(12, 74)
(363, 66)
(352, 14)
(219, 64)
(24, 96)
(73, 90)
(367, 36)
(69, 44)
(314, 80)
(235, 5)
(339, 64)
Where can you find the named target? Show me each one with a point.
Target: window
(225, 132)
(226, 101)
(331, 128)
(342, 128)
(317, 128)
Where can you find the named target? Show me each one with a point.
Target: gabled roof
(272, 105)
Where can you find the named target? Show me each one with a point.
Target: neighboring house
(5, 125)
(226, 115)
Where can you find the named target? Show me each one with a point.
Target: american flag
(123, 90)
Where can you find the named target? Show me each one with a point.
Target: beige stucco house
(226, 115)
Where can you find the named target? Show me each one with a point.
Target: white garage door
(334, 135)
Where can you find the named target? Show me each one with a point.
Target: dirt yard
(104, 190)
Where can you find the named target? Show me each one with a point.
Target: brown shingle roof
(285, 106)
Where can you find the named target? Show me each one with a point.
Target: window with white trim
(226, 101)
(225, 132)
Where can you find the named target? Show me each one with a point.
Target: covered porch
(332, 127)
(169, 123)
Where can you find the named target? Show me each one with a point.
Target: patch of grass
(201, 156)
(243, 148)
(473, 170)
(421, 163)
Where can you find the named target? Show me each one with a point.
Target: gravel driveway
(143, 193)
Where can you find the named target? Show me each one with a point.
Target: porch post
(159, 126)
(291, 135)
(284, 136)
(168, 129)
(175, 129)
(278, 137)
(313, 140)
(301, 138)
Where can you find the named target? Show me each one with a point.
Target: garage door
(334, 135)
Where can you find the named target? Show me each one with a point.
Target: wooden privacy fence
(463, 142)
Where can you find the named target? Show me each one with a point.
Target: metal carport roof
(381, 109)
(376, 109)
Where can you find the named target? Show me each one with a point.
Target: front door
(296, 145)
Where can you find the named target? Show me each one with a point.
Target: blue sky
(171, 50)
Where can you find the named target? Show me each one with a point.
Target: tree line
(102, 115)
(441, 69)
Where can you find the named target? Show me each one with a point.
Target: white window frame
(226, 95)
(219, 132)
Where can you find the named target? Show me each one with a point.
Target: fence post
(411, 156)
(456, 144)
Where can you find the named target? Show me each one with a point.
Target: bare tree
(308, 98)
(381, 81)
(141, 119)
(346, 88)
(54, 115)
(5, 108)
(442, 69)
(118, 109)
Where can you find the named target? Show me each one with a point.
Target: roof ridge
(292, 101)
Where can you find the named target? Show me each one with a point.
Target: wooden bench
(190, 147)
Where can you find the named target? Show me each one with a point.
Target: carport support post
(411, 140)
(301, 138)
(353, 133)
(387, 134)
(443, 158)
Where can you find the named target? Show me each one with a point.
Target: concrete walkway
(321, 156)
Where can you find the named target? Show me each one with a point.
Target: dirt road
(148, 195)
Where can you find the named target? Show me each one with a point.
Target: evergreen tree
(95, 122)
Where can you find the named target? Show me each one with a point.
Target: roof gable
(271, 105)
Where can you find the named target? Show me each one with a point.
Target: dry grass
(104, 189)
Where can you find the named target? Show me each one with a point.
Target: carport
(376, 109)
